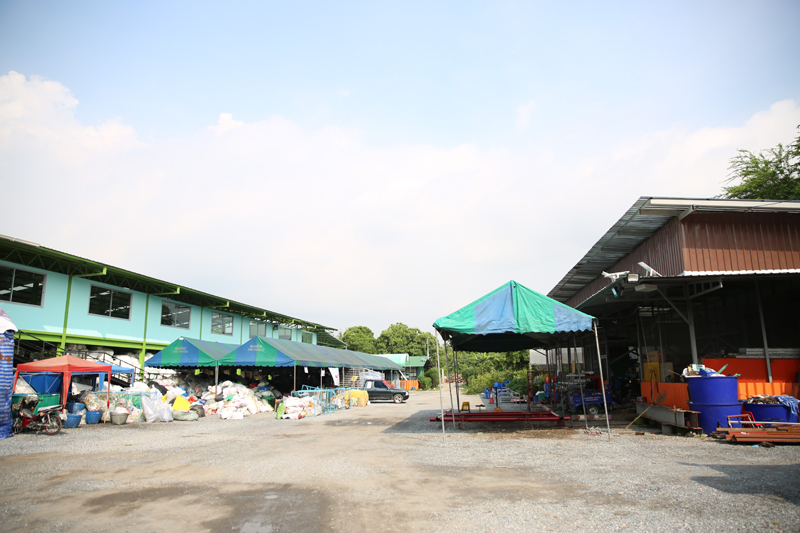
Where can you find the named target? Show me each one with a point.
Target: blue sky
(377, 148)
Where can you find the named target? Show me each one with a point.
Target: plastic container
(713, 391)
(44, 383)
(93, 417)
(711, 415)
(45, 400)
(72, 421)
(770, 412)
(74, 408)
(119, 419)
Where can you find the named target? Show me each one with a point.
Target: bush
(424, 382)
(433, 375)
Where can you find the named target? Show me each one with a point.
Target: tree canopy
(399, 338)
(772, 174)
(359, 339)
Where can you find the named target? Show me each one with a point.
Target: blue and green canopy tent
(192, 353)
(263, 351)
(512, 317)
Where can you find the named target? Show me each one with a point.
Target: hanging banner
(335, 375)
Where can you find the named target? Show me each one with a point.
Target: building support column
(690, 321)
(144, 337)
(66, 315)
(763, 332)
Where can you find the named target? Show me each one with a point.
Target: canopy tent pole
(449, 384)
(216, 378)
(455, 368)
(602, 380)
(439, 370)
(295, 376)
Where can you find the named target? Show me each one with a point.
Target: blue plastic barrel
(93, 417)
(770, 412)
(713, 391)
(74, 407)
(711, 415)
(72, 421)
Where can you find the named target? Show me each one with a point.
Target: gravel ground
(388, 466)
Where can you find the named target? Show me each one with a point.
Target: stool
(465, 407)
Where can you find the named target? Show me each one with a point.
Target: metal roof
(644, 218)
(34, 255)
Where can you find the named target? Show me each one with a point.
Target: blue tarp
(6, 382)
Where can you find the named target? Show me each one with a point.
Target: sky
(368, 163)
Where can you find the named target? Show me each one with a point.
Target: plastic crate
(45, 400)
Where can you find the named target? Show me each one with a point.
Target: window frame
(280, 329)
(187, 306)
(14, 276)
(233, 323)
(108, 315)
(310, 337)
(258, 323)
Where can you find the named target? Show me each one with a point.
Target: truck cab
(380, 389)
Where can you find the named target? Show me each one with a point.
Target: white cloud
(321, 225)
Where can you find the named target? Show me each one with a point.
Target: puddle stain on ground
(261, 508)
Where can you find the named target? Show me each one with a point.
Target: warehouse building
(677, 281)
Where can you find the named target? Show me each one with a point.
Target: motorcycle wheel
(53, 425)
(17, 427)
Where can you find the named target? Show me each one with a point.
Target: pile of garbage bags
(294, 408)
(187, 400)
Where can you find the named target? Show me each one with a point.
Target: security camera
(614, 276)
(650, 270)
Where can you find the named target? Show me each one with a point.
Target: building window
(21, 286)
(109, 302)
(308, 338)
(258, 329)
(175, 315)
(221, 324)
(285, 334)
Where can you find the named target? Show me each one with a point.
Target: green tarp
(262, 351)
(511, 317)
(186, 352)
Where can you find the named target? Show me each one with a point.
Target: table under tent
(510, 318)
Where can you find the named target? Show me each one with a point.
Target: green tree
(359, 339)
(399, 338)
(772, 174)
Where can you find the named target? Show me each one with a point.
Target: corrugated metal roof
(644, 218)
(416, 361)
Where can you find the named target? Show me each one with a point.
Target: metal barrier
(327, 400)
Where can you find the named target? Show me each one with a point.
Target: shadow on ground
(741, 479)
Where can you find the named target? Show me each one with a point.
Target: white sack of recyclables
(23, 387)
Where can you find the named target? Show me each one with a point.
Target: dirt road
(386, 467)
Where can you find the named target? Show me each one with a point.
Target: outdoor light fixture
(633, 278)
(650, 270)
